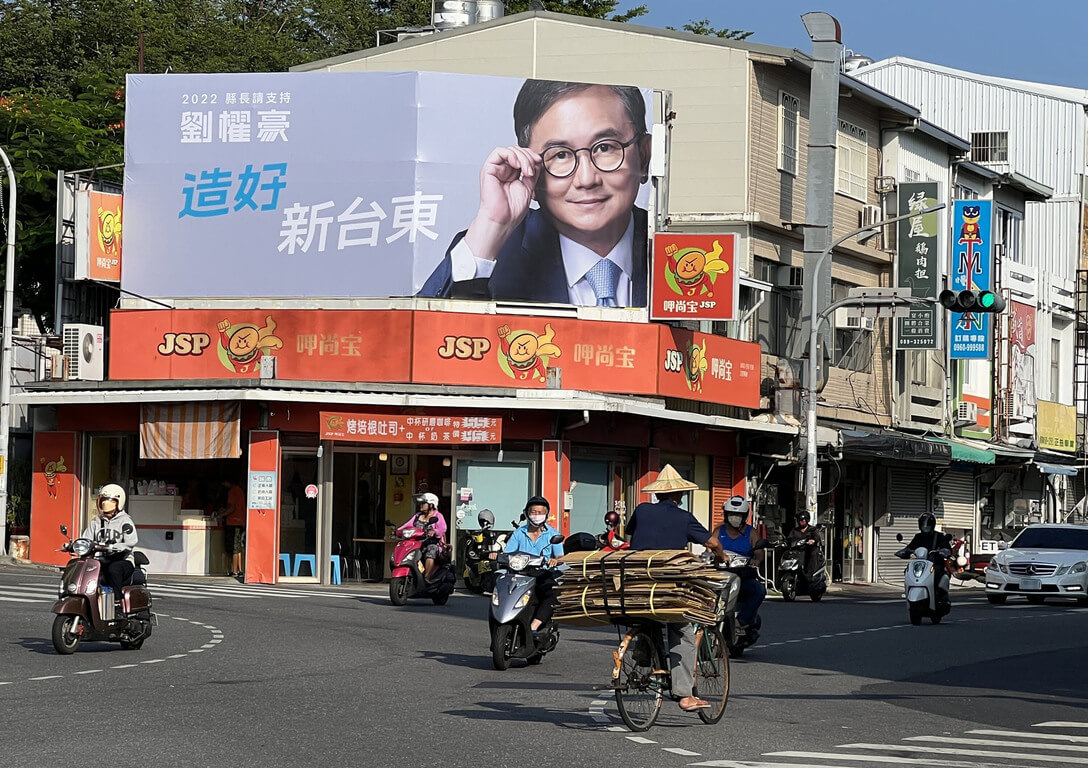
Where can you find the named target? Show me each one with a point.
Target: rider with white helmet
(738, 537)
(430, 519)
(115, 534)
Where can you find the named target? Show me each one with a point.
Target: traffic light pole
(813, 343)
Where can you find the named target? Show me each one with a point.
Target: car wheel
(997, 599)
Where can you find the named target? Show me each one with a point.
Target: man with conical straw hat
(664, 525)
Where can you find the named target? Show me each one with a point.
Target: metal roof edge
(939, 133)
(1034, 191)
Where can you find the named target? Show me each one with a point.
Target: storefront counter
(175, 540)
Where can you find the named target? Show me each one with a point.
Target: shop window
(502, 487)
(852, 348)
(779, 317)
(1055, 369)
(1009, 227)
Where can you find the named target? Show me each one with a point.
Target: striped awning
(190, 431)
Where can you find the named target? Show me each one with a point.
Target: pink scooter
(85, 612)
(406, 569)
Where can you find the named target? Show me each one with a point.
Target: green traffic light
(986, 299)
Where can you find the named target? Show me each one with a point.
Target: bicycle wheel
(638, 679)
(711, 673)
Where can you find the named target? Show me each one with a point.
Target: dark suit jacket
(530, 268)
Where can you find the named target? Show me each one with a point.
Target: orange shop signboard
(98, 236)
(518, 351)
(694, 277)
(308, 345)
(699, 366)
(410, 430)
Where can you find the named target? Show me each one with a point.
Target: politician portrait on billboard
(583, 153)
(386, 184)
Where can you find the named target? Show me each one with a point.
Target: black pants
(116, 574)
(546, 599)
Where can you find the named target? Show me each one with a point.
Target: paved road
(244, 675)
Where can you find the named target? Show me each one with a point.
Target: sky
(1038, 40)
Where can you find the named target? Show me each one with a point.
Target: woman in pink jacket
(429, 519)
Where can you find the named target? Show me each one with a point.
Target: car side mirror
(558, 538)
(899, 537)
(64, 530)
(1002, 545)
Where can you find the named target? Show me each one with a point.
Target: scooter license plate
(1031, 585)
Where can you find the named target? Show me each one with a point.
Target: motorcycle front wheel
(64, 640)
(398, 590)
(915, 613)
(789, 589)
(503, 646)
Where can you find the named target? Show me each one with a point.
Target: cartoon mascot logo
(695, 366)
(335, 423)
(525, 355)
(692, 272)
(51, 469)
(242, 344)
(969, 230)
(108, 231)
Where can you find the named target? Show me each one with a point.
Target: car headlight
(523, 600)
(1001, 566)
(1062, 570)
(518, 562)
(495, 597)
(1080, 567)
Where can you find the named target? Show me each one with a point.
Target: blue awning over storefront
(1055, 469)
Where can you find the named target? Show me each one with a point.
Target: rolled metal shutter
(958, 495)
(906, 500)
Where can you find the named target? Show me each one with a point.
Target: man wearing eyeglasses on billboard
(583, 152)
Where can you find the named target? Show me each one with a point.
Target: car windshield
(1052, 538)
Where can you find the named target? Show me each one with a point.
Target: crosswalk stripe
(893, 759)
(21, 600)
(995, 743)
(252, 589)
(42, 593)
(1043, 737)
(1060, 724)
(975, 753)
(39, 591)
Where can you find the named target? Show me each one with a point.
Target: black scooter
(479, 573)
(792, 578)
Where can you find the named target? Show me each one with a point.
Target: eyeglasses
(606, 155)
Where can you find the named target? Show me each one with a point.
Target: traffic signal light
(972, 301)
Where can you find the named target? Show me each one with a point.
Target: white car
(1043, 561)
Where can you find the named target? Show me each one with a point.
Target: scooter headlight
(61, 589)
(412, 556)
(81, 547)
(518, 562)
(72, 588)
(919, 568)
(522, 601)
(494, 597)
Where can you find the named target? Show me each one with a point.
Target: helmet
(926, 522)
(802, 516)
(737, 505)
(115, 492)
(486, 518)
(612, 518)
(537, 501)
(429, 498)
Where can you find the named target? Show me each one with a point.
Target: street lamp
(813, 333)
(5, 360)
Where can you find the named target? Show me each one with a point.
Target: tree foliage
(704, 27)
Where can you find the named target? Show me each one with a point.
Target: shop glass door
(591, 486)
(298, 513)
(502, 487)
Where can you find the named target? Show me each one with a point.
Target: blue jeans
(752, 593)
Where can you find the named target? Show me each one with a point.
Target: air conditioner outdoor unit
(85, 352)
(844, 320)
(870, 215)
(790, 277)
(966, 413)
(1008, 403)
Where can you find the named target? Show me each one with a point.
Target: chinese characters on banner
(1057, 426)
(704, 367)
(410, 430)
(971, 266)
(694, 277)
(98, 236)
(919, 263)
(1021, 321)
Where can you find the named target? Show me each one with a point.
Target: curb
(11, 561)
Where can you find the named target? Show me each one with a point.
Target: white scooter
(919, 582)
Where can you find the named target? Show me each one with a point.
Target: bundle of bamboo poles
(666, 585)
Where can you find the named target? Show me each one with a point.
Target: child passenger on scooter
(430, 519)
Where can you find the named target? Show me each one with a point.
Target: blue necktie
(602, 279)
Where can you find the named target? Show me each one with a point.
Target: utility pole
(5, 359)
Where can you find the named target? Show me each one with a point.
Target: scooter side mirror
(390, 524)
(899, 537)
(558, 538)
(64, 530)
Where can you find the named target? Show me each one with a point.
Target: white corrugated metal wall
(957, 492)
(907, 491)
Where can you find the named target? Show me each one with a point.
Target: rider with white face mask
(535, 538)
(737, 537)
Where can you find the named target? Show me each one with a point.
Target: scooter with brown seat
(87, 611)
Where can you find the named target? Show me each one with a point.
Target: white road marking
(153, 661)
(1025, 756)
(88, 671)
(197, 650)
(995, 743)
(641, 740)
(45, 677)
(23, 600)
(1040, 737)
(1060, 724)
(925, 762)
(678, 751)
(123, 666)
(178, 656)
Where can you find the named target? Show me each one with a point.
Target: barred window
(990, 147)
(789, 109)
(852, 171)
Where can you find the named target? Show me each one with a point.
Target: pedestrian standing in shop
(234, 525)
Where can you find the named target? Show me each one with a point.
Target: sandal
(700, 704)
